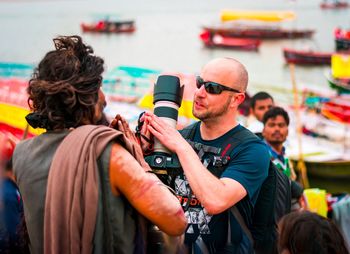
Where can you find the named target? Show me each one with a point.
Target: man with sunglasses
(205, 195)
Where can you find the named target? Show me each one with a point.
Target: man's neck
(277, 147)
(212, 129)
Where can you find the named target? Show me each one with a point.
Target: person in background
(307, 232)
(84, 185)
(212, 227)
(13, 235)
(259, 104)
(275, 132)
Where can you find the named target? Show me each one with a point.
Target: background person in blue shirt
(275, 132)
(220, 90)
(13, 234)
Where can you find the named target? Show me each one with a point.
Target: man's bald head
(227, 71)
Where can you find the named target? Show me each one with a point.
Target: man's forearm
(215, 194)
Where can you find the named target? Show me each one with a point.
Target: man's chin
(276, 142)
(198, 115)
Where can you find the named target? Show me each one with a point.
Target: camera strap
(140, 136)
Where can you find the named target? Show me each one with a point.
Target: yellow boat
(268, 16)
(14, 108)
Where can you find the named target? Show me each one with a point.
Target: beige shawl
(72, 189)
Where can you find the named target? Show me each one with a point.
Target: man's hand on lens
(166, 134)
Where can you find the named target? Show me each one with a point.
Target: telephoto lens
(167, 101)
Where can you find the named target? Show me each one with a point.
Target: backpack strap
(188, 134)
(241, 136)
(241, 222)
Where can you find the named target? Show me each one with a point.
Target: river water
(167, 36)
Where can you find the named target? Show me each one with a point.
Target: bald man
(209, 185)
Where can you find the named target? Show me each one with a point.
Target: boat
(333, 176)
(342, 44)
(244, 30)
(128, 83)
(339, 76)
(342, 85)
(338, 169)
(306, 57)
(107, 26)
(337, 109)
(327, 163)
(268, 16)
(334, 5)
(217, 40)
(14, 108)
(323, 115)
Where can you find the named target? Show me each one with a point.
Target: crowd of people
(85, 187)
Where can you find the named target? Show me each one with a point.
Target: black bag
(274, 198)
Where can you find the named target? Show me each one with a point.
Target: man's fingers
(154, 131)
(155, 123)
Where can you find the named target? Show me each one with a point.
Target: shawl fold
(72, 189)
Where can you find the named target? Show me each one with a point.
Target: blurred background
(166, 38)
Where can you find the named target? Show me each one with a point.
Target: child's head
(306, 232)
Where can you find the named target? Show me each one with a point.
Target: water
(167, 36)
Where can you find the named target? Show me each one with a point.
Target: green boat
(341, 85)
(333, 176)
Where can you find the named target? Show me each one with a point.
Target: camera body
(167, 98)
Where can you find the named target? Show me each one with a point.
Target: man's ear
(263, 132)
(239, 98)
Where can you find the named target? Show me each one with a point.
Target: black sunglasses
(213, 87)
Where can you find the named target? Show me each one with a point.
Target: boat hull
(329, 169)
(336, 5)
(306, 57)
(216, 40)
(333, 176)
(260, 32)
(268, 16)
(342, 44)
(342, 86)
(92, 28)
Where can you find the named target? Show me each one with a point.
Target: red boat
(106, 26)
(306, 57)
(258, 31)
(217, 40)
(337, 109)
(334, 5)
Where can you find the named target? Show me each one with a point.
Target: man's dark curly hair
(64, 87)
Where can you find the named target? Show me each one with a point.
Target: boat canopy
(268, 16)
(341, 66)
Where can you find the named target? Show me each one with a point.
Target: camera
(167, 98)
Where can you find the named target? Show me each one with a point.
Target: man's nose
(201, 91)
